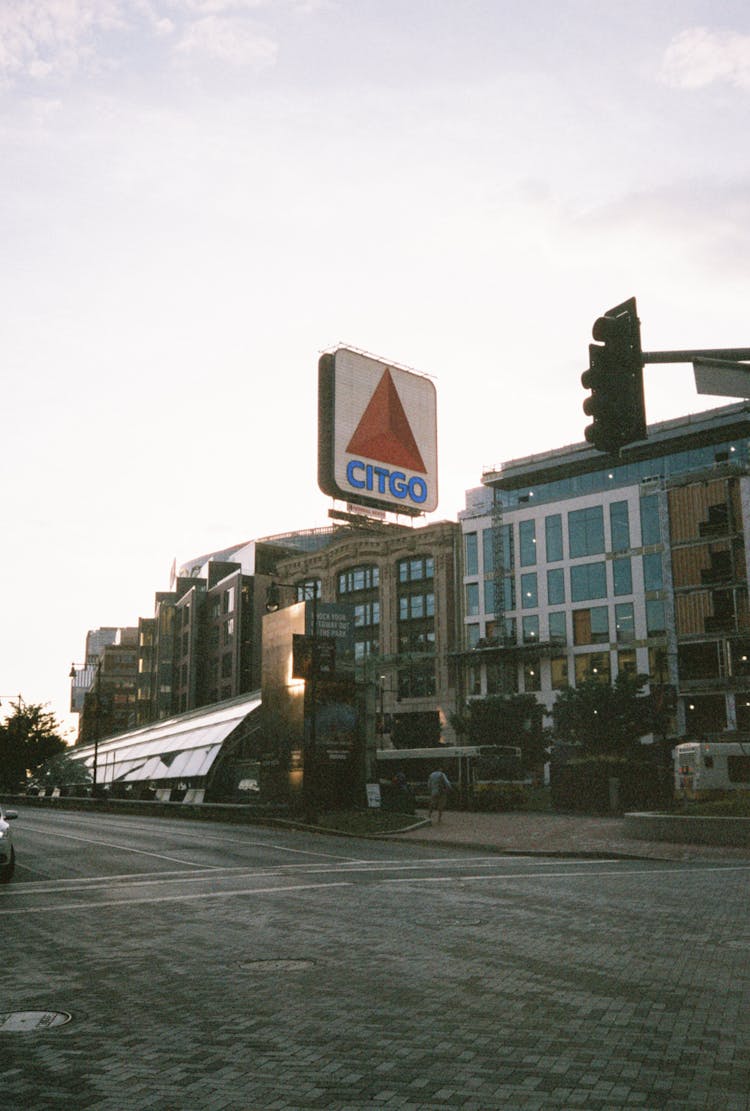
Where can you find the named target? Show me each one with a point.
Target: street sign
(722, 377)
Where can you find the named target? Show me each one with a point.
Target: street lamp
(309, 592)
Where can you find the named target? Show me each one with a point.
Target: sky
(201, 196)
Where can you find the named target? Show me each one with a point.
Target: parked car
(7, 852)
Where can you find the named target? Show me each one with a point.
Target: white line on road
(126, 903)
(45, 832)
(621, 873)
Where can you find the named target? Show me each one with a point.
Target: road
(208, 966)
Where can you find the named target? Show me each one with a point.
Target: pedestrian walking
(438, 785)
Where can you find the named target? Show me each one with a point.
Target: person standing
(438, 785)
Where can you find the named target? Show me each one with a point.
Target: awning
(183, 747)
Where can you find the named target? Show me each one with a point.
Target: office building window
(471, 554)
(414, 570)
(592, 665)
(307, 590)
(527, 543)
(591, 626)
(488, 550)
(559, 672)
(529, 591)
(530, 629)
(626, 662)
(472, 600)
(619, 524)
(653, 578)
(532, 680)
(586, 531)
(555, 587)
(625, 623)
(558, 632)
(650, 528)
(655, 622)
(359, 578)
(489, 595)
(472, 635)
(553, 533)
(622, 575)
(588, 581)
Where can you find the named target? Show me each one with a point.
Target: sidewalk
(556, 835)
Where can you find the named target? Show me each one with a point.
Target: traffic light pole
(731, 354)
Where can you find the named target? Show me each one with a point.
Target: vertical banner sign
(377, 434)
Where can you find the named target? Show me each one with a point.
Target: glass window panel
(472, 635)
(488, 550)
(489, 595)
(655, 623)
(529, 592)
(555, 587)
(622, 574)
(599, 625)
(471, 554)
(592, 665)
(650, 529)
(587, 581)
(532, 680)
(553, 537)
(530, 629)
(557, 627)
(619, 524)
(626, 662)
(472, 599)
(527, 543)
(625, 622)
(586, 531)
(559, 672)
(653, 578)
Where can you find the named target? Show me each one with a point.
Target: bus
(465, 765)
(704, 767)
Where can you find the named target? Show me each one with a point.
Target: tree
(60, 771)
(28, 737)
(603, 719)
(515, 719)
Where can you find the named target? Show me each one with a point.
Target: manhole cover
(281, 965)
(21, 1022)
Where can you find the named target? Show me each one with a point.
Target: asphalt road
(213, 966)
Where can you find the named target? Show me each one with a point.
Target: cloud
(51, 37)
(699, 57)
(229, 40)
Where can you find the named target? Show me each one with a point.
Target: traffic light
(615, 378)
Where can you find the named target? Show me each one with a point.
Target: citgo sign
(377, 433)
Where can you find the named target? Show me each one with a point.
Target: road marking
(144, 879)
(126, 848)
(620, 872)
(45, 832)
(56, 909)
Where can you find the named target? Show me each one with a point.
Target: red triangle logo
(384, 432)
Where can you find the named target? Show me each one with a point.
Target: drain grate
(279, 965)
(23, 1022)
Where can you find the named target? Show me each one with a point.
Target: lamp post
(273, 602)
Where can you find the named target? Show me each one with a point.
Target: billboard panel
(377, 434)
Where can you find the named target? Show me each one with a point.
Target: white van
(703, 767)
